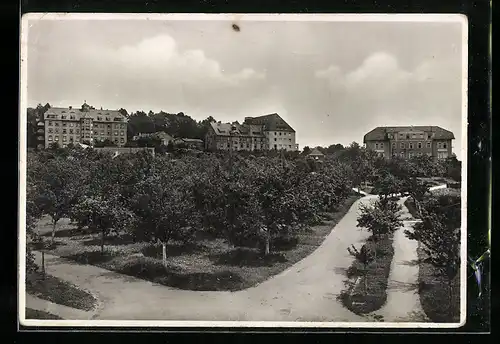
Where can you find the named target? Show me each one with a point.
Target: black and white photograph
(243, 170)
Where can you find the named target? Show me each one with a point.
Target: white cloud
(159, 56)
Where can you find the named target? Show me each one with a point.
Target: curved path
(307, 291)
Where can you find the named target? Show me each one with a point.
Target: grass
(36, 314)
(354, 296)
(210, 265)
(58, 291)
(434, 295)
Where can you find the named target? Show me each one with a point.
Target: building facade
(85, 125)
(410, 141)
(256, 133)
(161, 135)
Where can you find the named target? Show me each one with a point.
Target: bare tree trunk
(43, 264)
(102, 242)
(164, 253)
(54, 222)
(267, 244)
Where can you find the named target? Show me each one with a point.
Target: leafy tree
(104, 214)
(439, 232)
(387, 185)
(60, 187)
(334, 148)
(164, 209)
(363, 256)
(381, 218)
(306, 150)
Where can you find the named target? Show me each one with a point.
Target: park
(267, 236)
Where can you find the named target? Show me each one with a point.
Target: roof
(192, 140)
(380, 132)
(315, 152)
(78, 114)
(271, 122)
(227, 129)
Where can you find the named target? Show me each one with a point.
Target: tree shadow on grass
(155, 272)
(247, 257)
(90, 257)
(173, 250)
(111, 240)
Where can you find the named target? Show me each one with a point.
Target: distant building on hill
(69, 125)
(256, 133)
(410, 141)
(316, 154)
(161, 135)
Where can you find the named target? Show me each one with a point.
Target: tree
(104, 214)
(164, 208)
(439, 232)
(364, 256)
(334, 148)
(60, 187)
(306, 150)
(381, 218)
(387, 184)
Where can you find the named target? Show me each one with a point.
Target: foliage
(381, 218)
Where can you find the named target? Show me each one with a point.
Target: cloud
(160, 55)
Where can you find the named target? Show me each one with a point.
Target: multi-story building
(410, 141)
(256, 133)
(85, 125)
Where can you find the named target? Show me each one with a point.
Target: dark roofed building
(409, 141)
(70, 125)
(256, 133)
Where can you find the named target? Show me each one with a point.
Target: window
(99, 118)
(71, 131)
(428, 145)
(419, 145)
(402, 145)
(107, 118)
(56, 138)
(444, 144)
(56, 124)
(64, 138)
(63, 117)
(71, 124)
(56, 131)
(78, 131)
(393, 145)
(401, 136)
(411, 145)
(50, 122)
(64, 131)
(275, 139)
(50, 130)
(50, 138)
(376, 145)
(289, 146)
(381, 145)
(121, 133)
(64, 124)
(410, 155)
(109, 133)
(402, 154)
(109, 125)
(439, 144)
(122, 140)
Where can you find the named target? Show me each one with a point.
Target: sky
(332, 81)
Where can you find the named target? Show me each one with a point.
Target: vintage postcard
(196, 170)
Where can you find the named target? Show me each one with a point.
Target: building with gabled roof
(255, 133)
(410, 141)
(87, 125)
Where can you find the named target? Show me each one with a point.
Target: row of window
(87, 125)
(77, 131)
(412, 154)
(76, 138)
(283, 139)
(413, 136)
(410, 145)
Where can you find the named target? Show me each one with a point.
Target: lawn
(58, 291)
(210, 264)
(434, 295)
(355, 297)
(36, 314)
